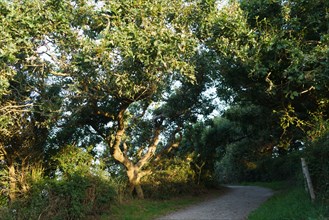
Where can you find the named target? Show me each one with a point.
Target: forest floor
(235, 204)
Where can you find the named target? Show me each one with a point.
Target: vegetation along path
(236, 204)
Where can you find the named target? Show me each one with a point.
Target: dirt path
(236, 204)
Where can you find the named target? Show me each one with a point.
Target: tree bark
(134, 180)
(134, 171)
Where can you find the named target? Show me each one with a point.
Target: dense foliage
(79, 190)
(100, 99)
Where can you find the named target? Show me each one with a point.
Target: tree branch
(115, 147)
(151, 150)
(174, 143)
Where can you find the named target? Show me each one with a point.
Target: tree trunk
(134, 171)
(12, 182)
(134, 182)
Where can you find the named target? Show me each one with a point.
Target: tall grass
(290, 204)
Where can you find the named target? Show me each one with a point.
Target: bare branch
(307, 90)
(59, 74)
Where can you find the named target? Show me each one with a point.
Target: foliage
(244, 135)
(72, 160)
(73, 198)
(122, 71)
(269, 56)
(194, 146)
(76, 193)
(278, 168)
(237, 164)
(317, 159)
(273, 58)
(29, 101)
(170, 178)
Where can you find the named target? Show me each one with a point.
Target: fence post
(308, 179)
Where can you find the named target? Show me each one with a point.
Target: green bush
(78, 190)
(239, 164)
(317, 154)
(74, 198)
(170, 178)
(278, 168)
(231, 168)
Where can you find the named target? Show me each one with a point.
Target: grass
(149, 209)
(289, 203)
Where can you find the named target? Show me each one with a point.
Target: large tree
(275, 54)
(132, 77)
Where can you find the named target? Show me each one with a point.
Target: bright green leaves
(140, 48)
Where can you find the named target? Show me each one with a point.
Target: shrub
(278, 168)
(170, 178)
(79, 189)
(231, 168)
(72, 198)
(317, 154)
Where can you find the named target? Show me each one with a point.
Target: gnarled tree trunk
(134, 171)
(134, 177)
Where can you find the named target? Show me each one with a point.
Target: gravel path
(236, 204)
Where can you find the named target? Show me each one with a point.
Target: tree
(274, 55)
(132, 78)
(29, 100)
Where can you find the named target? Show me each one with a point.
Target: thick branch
(116, 151)
(125, 148)
(151, 150)
(174, 143)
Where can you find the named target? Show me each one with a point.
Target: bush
(72, 198)
(279, 168)
(170, 178)
(231, 168)
(317, 154)
(79, 189)
(240, 165)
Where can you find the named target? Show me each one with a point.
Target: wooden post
(308, 179)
